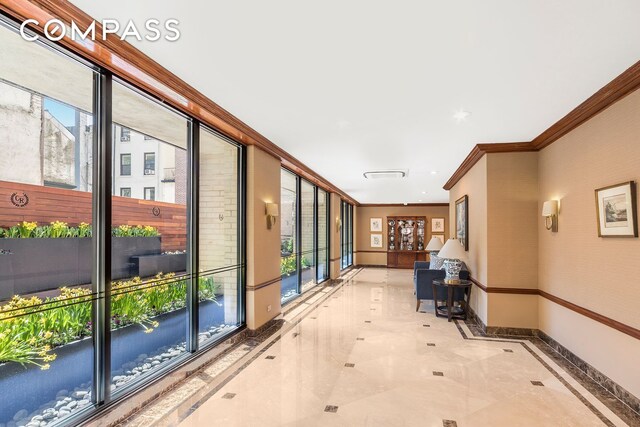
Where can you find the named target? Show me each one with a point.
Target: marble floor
(358, 354)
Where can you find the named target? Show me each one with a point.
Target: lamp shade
(434, 244)
(271, 209)
(452, 249)
(549, 208)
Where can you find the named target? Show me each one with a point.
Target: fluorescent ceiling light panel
(390, 174)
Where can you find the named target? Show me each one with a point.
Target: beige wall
(512, 238)
(263, 245)
(378, 256)
(474, 185)
(575, 264)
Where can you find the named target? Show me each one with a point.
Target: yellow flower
(45, 367)
(148, 331)
(48, 335)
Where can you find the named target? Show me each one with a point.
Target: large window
(112, 299)
(220, 260)
(304, 254)
(323, 236)
(289, 242)
(46, 287)
(346, 234)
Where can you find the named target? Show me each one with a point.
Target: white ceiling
(359, 85)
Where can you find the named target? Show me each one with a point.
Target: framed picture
(376, 240)
(616, 208)
(437, 225)
(462, 221)
(376, 224)
(439, 236)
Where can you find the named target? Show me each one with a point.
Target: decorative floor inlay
(484, 385)
(427, 326)
(270, 357)
(229, 396)
(538, 383)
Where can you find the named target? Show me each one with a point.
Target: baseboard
(607, 383)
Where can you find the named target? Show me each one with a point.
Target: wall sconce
(271, 209)
(338, 224)
(550, 214)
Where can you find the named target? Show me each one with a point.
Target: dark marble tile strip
(564, 382)
(620, 401)
(605, 382)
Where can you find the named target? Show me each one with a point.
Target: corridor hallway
(360, 355)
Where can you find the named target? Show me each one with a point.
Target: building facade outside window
(125, 192)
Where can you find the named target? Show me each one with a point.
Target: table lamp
(453, 254)
(434, 246)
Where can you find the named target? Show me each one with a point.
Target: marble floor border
(593, 392)
(209, 385)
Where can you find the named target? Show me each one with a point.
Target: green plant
(286, 246)
(30, 328)
(59, 229)
(287, 265)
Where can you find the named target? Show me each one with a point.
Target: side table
(454, 291)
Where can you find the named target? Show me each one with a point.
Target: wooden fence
(24, 202)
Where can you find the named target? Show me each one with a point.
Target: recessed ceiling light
(385, 174)
(434, 172)
(461, 115)
(420, 200)
(424, 192)
(406, 203)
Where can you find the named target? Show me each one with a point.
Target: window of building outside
(125, 135)
(149, 193)
(52, 366)
(149, 163)
(125, 164)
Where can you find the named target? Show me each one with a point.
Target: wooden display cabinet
(405, 240)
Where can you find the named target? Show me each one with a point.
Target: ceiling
(353, 86)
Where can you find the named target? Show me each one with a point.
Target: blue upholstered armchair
(423, 282)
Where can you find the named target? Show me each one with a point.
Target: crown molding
(612, 92)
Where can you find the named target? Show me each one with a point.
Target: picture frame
(437, 225)
(616, 209)
(376, 224)
(376, 240)
(462, 221)
(439, 236)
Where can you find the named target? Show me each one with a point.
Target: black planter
(27, 387)
(36, 265)
(150, 265)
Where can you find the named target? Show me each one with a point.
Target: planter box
(31, 387)
(35, 265)
(150, 265)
